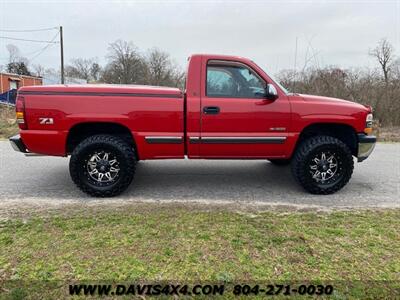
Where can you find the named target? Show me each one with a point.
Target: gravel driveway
(43, 183)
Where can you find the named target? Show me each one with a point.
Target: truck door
(237, 121)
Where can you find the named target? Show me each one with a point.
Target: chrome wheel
(323, 167)
(102, 167)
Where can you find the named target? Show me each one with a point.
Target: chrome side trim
(164, 139)
(30, 154)
(194, 139)
(238, 140)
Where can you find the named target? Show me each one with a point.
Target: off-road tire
(124, 153)
(303, 158)
(280, 162)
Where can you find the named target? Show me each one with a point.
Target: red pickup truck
(231, 109)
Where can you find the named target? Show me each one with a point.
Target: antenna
(295, 66)
(62, 54)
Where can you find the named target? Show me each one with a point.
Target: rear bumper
(366, 144)
(17, 144)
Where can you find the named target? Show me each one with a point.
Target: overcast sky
(332, 32)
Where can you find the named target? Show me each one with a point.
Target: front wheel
(322, 165)
(102, 165)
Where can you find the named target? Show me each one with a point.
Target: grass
(358, 249)
(8, 125)
(388, 134)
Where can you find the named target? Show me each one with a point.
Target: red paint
(158, 111)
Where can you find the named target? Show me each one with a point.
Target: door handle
(211, 110)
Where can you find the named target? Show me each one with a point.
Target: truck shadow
(216, 180)
(211, 180)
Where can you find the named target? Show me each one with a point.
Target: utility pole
(62, 55)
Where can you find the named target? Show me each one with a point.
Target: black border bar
(164, 139)
(57, 93)
(238, 140)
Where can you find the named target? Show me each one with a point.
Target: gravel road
(39, 183)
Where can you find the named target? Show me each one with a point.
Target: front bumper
(366, 144)
(18, 144)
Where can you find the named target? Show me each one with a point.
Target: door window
(233, 81)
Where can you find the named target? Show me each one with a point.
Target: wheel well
(82, 131)
(343, 132)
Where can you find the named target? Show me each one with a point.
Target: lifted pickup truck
(231, 109)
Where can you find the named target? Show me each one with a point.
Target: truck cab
(236, 118)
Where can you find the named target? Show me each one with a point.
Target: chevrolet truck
(230, 109)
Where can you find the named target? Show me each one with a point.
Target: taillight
(20, 112)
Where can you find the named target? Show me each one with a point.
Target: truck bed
(147, 111)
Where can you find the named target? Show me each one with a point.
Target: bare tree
(125, 64)
(83, 68)
(13, 53)
(16, 63)
(161, 70)
(383, 52)
(396, 70)
(39, 70)
(95, 71)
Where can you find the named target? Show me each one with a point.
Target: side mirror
(270, 92)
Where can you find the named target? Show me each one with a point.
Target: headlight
(369, 120)
(368, 123)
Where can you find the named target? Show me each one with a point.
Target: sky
(338, 33)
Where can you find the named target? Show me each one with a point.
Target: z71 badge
(46, 121)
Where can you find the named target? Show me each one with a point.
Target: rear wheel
(102, 165)
(322, 165)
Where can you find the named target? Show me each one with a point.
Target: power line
(25, 55)
(38, 51)
(32, 52)
(44, 49)
(26, 40)
(28, 30)
(51, 43)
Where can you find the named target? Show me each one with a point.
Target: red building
(10, 81)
